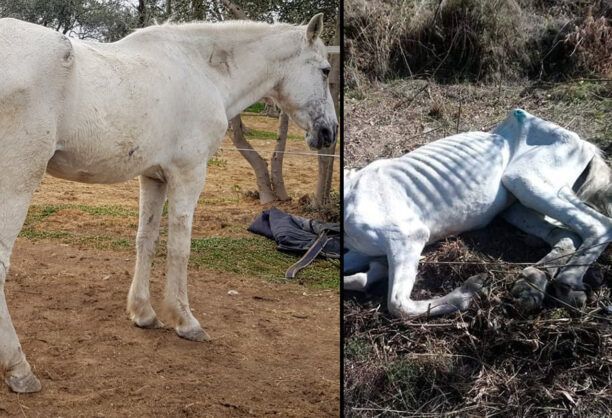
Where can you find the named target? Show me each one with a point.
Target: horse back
(450, 186)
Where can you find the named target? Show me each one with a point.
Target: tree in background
(104, 20)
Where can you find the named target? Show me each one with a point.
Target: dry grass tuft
(492, 360)
(592, 45)
(493, 40)
(489, 361)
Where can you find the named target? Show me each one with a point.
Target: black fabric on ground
(294, 233)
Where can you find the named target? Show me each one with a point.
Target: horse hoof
(573, 297)
(193, 334)
(24, 384)
(149, 323)
(594, 278)
(476, 285)
(530, 289)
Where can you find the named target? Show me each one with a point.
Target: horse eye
(325, 71)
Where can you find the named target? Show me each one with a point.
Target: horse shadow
(446, 264)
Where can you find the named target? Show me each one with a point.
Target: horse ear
(315, 27)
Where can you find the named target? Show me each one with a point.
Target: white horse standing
(525, 170)
(156, 105)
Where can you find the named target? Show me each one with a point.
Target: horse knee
(146, 242)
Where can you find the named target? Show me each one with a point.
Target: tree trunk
(278, 183)
(198, 9)
(326, 164)
(268, 190)
(142, 13)
(234, 10)
(326, 174)
(168, 8)
(260, 166)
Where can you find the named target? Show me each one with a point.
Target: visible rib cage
(524, 170)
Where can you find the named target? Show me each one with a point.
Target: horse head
(303, 90)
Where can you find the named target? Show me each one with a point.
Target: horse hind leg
(152, 198)
(568, 284)
(21, 173)
(529, 291)
(594, 229)
(377, 270)
(184, 187)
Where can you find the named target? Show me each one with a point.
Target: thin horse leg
(562, 241)
(184, 187)
(568, 283)
(403, 258)
(593, 228)
(16, 190)
(530, 289)
(152, 198)
(377, 271)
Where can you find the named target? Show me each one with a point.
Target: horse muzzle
(323, 136)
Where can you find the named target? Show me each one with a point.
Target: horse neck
(244, 59)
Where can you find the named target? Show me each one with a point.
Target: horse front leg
(152, 198)
(184, 188)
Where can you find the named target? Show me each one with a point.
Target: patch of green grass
(34, 235)
(218, 162)
(250, 257)
(113, 210)
(257, 107)
(258, 257)
(404, 372)
(37, 213)
(99, 242)
(579, 91)
(357, 349)
(257, 134)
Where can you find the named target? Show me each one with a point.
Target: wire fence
(310, 154)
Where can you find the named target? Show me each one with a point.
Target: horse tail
(595, 184)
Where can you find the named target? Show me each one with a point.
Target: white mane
(227, 31)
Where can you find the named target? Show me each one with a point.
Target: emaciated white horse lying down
(156, 105)
(534, 173)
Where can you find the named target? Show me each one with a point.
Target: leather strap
(309, 257)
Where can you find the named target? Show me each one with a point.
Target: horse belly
(121, 161)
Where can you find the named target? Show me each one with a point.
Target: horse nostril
(326, 136)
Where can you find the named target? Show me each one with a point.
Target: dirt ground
(275, 347)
